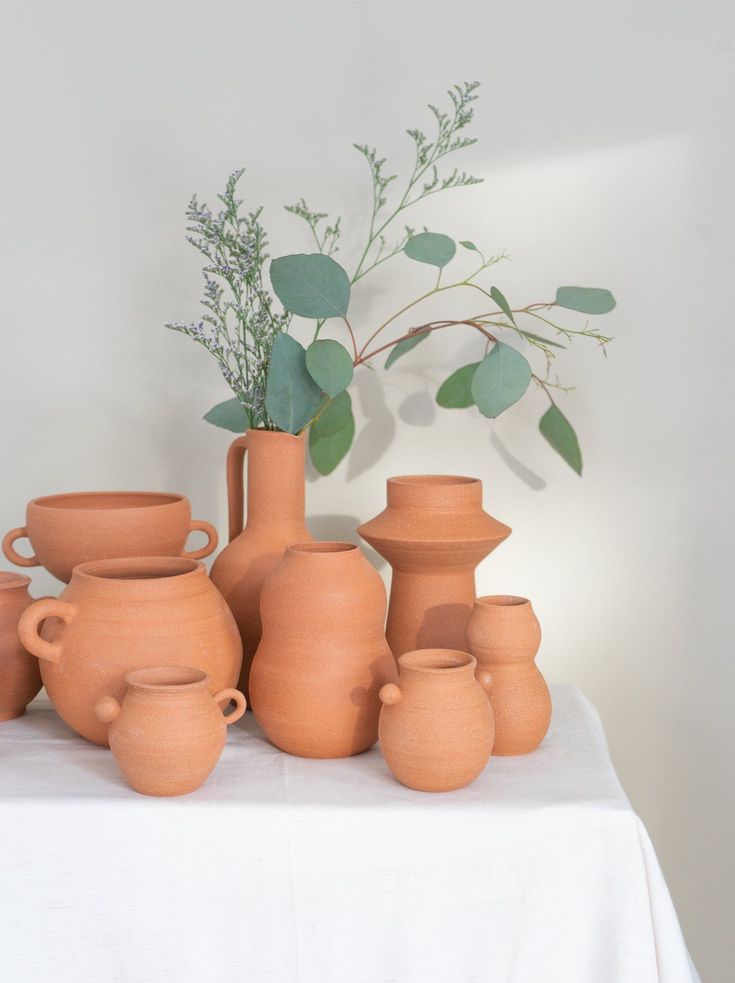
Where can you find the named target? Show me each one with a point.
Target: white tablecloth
(282, 869)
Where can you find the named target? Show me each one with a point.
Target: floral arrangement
(281, 385)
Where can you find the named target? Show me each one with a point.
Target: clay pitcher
(433, 533)
(20, 677)
(275, 519)
(118, 615)
(168, 733)
(504, 635)
(436, 725)
(323, 655)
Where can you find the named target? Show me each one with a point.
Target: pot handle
(239, 699)
(389, 694)
(48, 607)
(212, 539)
(106, 709)
(235, 485)
(16, 558)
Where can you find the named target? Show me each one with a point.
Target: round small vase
(504, 635)
(433, 533)
(275, 520)
(168, 733)
(20, 677)
(323, 655)
(66, 530)
(118, 615)
(436, 725)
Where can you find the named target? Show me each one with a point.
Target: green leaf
(311, 285)
(587, 300)
(329, 365)
(291, 395)
(405, 346)
(333, 416)
(560, 434)
(331, 435)
(456, 391)
(500, 380)
(502, 304)
(545, 341)
(430, 247)
(469, 245)
(229, 415)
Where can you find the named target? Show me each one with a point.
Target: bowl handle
(212, 539)
(48, 607)
(239, 699)
(16, 558)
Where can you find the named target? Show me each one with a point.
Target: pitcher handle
(30, 620)
(20, 561)
(236, 696)
(235, 485)
(209, 547)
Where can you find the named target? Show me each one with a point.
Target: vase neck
(276, 480)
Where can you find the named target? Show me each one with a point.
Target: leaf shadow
(378, 433)
(534, 481)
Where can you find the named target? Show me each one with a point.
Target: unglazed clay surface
(275, 520)
(65, 530)
(120, 615)
(168, 733)
(436, 725)
(20, 677)
(433, 533)
(504, 636)
(323, 655)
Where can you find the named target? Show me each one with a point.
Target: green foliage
(542, 341)
(456, 391)
(502, 304)
(229, 415)
(405, 346)
(587, 300)
(291, 397)
(469, 245)
(329, 365)
(432, 248)
(560, 434)
(500, 380)
(332, 433)
(311, 285)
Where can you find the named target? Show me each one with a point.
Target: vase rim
(10, 580)
(437, 661)
(502, 600)
(95, 501)
(167, 679)
(330, 547)
(434, 480)
(139, 569)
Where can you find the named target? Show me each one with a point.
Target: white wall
(606, 143)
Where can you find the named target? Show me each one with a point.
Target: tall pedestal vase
(275, 520)
(433, 533)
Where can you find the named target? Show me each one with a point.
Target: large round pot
(65, 530)
(120, 615)
(20, 678)
(323, 656)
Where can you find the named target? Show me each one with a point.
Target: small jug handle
(30, 620)
(236, 696)
(235, 485)
(20, 561)
(212, 539)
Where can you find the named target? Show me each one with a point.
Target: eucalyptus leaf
(311, 285)
(502, 303)
(405, 346)
(587, 300)
(291, 395)
(456, 391)
(330, 366)
(545, 341)
(333, 415)
(500, 380)
(469, 245)
(229, 415)
(331, 435)
(559, 432)
(432, 248)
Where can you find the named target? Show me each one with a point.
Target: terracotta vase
(436, 725)
(120, 615)
(323, 655)
(65, 530)
(168, 732)
(20, 678)
(275, 520)
(433, 533)
(504, 635)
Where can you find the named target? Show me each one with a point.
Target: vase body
(168, 732)
(323, 655)
(118, 615)
(20, 677)
(275, 520)
(504, 636)
(436, 725)
(65, 530)
(433, 533)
